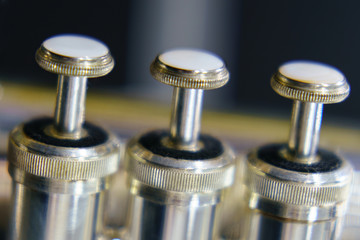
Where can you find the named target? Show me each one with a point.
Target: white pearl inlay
(76, 46)
(311, 72)
(191, 60)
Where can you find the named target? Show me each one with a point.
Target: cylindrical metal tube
(173, 197)
(58, 190)
(305, 130)
(70, 104)
(264, 227)
(288, 200)
(186, 116)
(177, 177)
(42, 215)
(295, 190)
(154, 220)
(255, 225)
(59, 174)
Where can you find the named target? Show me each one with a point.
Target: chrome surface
(305, 130)
(249, 223)
(183, 77)
(70, 105)
(296, 195)
(74, 66)
(172, 193)
(308, 96)
(239, 222)
(59, 182)
(307, 91)
(256, 225)
(179, 175)
(154, 220)
(284, 198)
(186, 118)
(116, 204)
(189, 79)
(173, 196)
(60, 163)
(40, 215)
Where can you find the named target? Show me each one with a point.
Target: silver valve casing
(177, 177)
(61, 167)
(172, 197)
(296, 190)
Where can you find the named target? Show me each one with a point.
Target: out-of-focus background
(253, 37)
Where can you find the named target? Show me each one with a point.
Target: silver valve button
(310, 85)
(177, 173)
(61, 167)
(189, 71)
(75, 58)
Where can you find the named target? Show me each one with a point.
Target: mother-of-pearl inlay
(311, 72)
(76, 46)
(191, 60)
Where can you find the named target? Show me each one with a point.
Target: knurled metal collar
(190, 68)
(63, 163)
(74, 55)
(310, 82)
(179, 175)
(297, 195)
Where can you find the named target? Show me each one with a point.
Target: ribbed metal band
(65, 168)
(74, 66)
(294, 192)
(181, 180)
(188, 79)
(179, 175)
(309, 92)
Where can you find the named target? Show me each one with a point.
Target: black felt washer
(328, 161)
(35, 130)
(152, 141)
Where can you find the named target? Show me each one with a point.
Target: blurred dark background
(254, 37)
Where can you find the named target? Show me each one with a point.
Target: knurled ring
(297, 195)
(74, 67)
(188, 179)
(210, 75)
(62, 166)
(75, 55)
(308, 81)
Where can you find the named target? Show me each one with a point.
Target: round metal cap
(75, 55)
(190, 68)
(309, 81)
